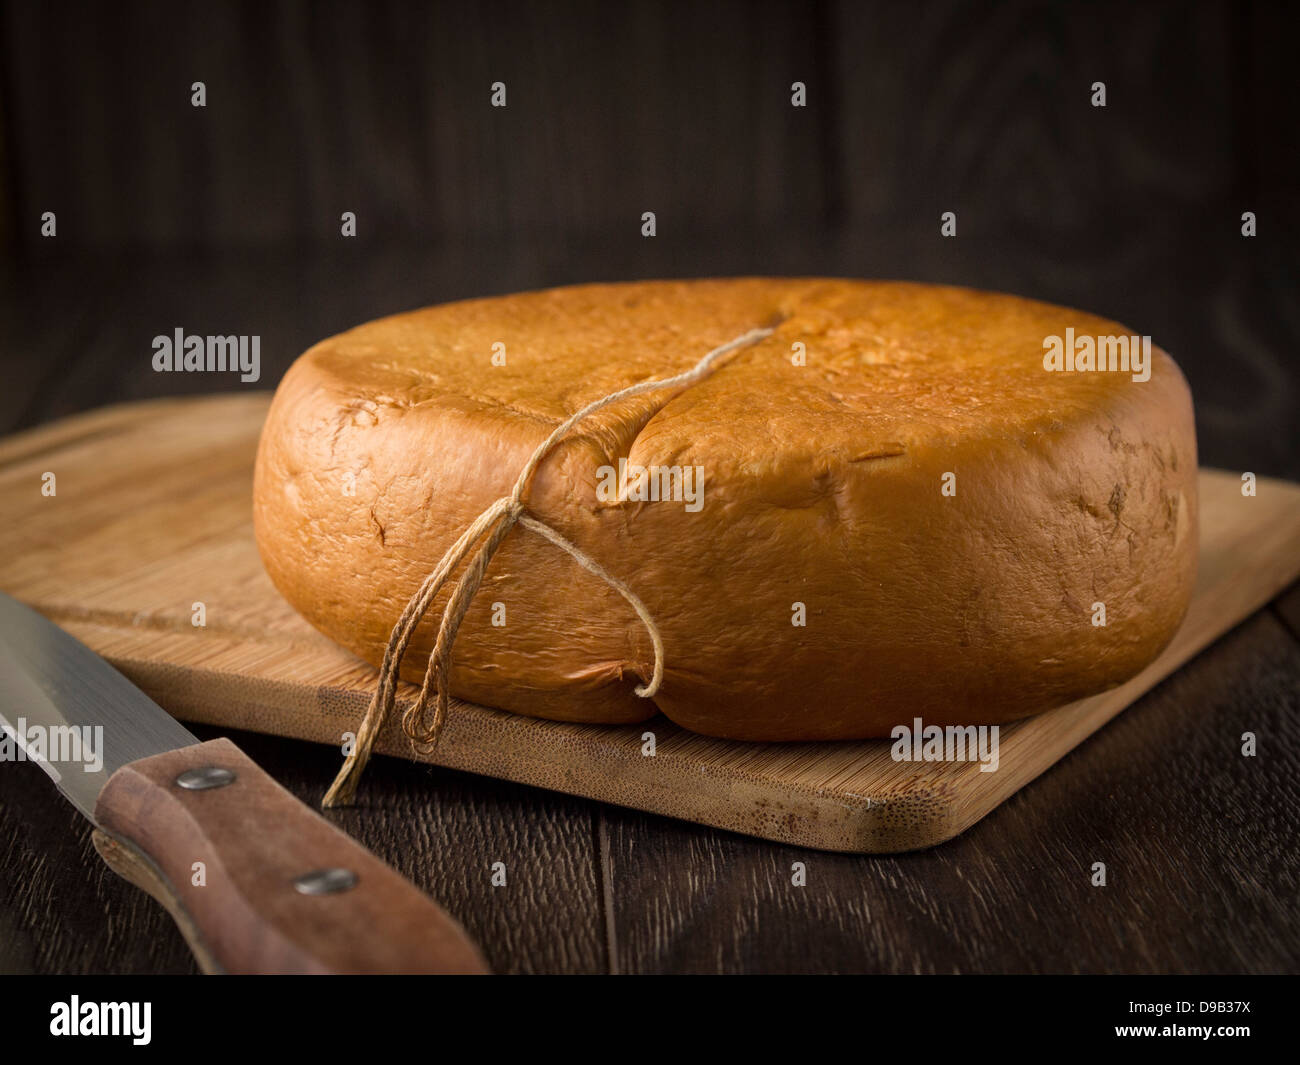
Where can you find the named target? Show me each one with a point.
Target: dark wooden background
(226, 219)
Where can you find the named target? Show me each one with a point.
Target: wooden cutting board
(152, 515)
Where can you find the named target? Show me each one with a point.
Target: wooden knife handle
(250, 907)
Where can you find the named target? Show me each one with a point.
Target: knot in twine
(491, 526)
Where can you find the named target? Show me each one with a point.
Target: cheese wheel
(905, 501)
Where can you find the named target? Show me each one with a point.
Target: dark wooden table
(1199, 842)
(1199, 845)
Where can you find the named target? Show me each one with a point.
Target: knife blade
(255, 880)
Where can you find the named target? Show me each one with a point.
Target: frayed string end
(491, 527)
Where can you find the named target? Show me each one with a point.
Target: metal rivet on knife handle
(325, 882)
(208, 776)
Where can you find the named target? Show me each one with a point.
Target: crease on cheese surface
(821, 487)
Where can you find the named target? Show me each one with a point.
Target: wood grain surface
(132, 541)
(1198, 841)
(226, 221)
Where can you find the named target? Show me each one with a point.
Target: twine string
(482, 538)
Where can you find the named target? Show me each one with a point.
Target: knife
(256, 881)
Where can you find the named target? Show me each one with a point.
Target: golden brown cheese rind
(821, 487)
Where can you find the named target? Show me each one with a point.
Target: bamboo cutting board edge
(926, 805)
(829, 796)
